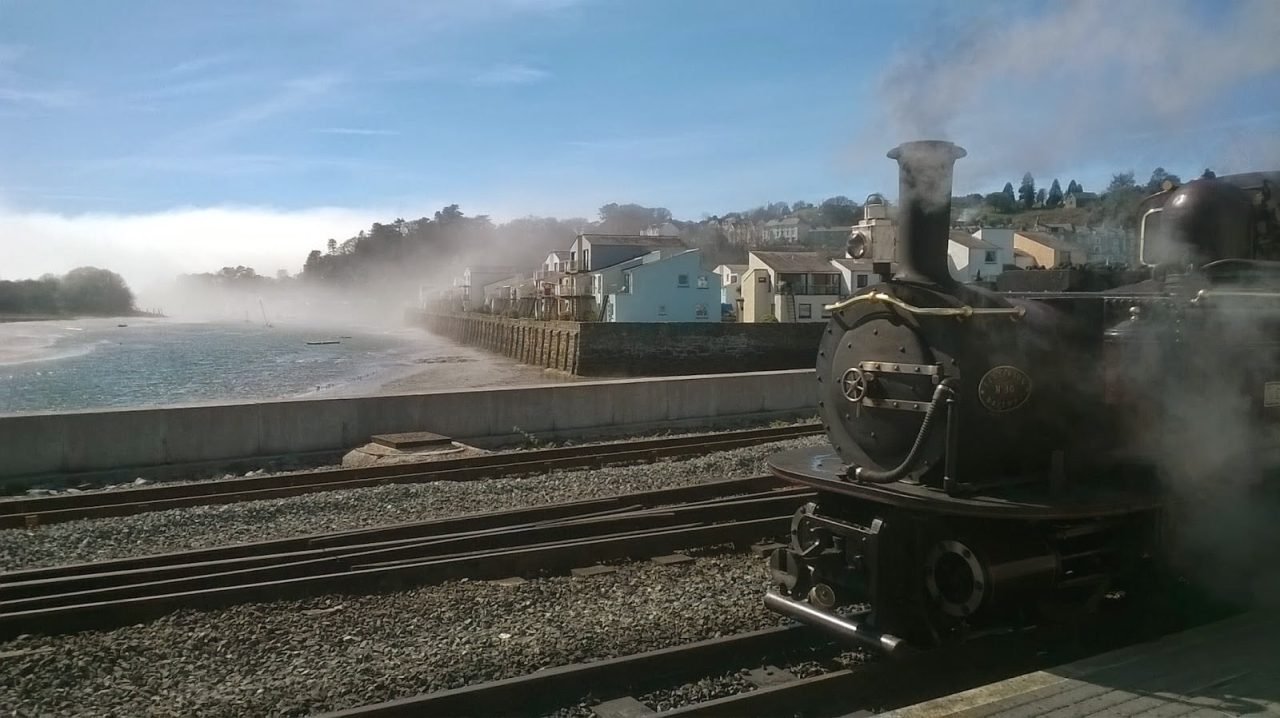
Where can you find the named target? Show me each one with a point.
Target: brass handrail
(958, 312)
(1204, 294)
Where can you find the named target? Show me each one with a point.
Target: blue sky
(151, 114)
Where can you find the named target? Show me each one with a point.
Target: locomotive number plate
(1004, 388)
(1271, 393)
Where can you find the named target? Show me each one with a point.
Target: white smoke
(1084, 82)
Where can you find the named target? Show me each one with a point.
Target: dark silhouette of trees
(1158, 178)
(1054, 198)
(1074, 186)
(84, 290)
(1008, 192)
(1027, 191)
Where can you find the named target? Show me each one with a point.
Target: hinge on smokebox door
(856, 384)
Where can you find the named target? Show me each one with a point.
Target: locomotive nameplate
(1271, 393)
(1004, 388)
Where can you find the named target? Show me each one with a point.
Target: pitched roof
(1051, 241)
(795, 262)
(560, 254)
(854, 265)
(965, 239)
(734, 268)
(632, 240)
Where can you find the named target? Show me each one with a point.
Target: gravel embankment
(301, 657)
(217, 525)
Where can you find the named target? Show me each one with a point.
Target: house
(980, 255)
(788, 287)
(500, 296)
(833, 237)
(555, 263)
(1049, 250)
(474, 279)
(666, 229)
(741, 232)
(731, 285)
(791, 230)
(658, 288)
(1079, 199)
(855, 274)
(594, 252)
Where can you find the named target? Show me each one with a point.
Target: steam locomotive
(1001, 459)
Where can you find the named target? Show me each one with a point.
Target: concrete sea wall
(157, 441)
(634, 348)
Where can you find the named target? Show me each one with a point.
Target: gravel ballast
(301, 657)
(218, 525)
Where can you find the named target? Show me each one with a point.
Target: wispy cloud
(359, 131)
(47, 99)
(510, 74)
(290, 97)
(200, 64)
(19, 91)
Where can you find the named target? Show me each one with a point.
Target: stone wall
(635, 349)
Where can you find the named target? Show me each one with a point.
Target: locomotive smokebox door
(882, 373)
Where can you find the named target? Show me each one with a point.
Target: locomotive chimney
(924, 209)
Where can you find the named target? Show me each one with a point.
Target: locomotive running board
(850, 630)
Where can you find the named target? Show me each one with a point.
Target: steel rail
(510, 518)
(33, 512)
(546, 690)
(483, 565)
(207, 574)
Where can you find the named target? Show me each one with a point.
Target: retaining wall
(635, 348)
(140, 439)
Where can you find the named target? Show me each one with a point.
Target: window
(806, 311)
(662, 310)
(700, 311)
(682, 280)
(762, 278)
(702, 281)
(825, 314)
(991, 257)
(861, 281)
(626, 282)
(733, 279)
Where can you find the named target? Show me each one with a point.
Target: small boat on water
(122, 325)
(327, 341)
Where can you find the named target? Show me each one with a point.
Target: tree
(1054, 198)
(1027, 191)
(839, 211)
(1208, 174)
(1075, 187)
(800, 204)
(332, 245)
(1158, 178)
(1001, 202)
(89, 290)
(1121, 183)
(631, 218)
(1008, 192)
(1041, 196)
(449, 215)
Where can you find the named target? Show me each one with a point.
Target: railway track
(872, 686)
(34, 512)
(521, 542)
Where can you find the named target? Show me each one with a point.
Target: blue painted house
(658, 288)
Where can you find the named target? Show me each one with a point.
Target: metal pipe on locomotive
(983, 468)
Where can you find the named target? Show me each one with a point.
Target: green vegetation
(82, 291)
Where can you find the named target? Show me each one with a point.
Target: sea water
(57, 366)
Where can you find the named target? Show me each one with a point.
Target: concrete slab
(627, 707)
(1230, 667)
(769, 676)
(670, 559)
(411, 440)
(588, 571)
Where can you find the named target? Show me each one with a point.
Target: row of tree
(82, 291)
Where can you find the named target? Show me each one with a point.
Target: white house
(666, 229)
(731, 285)
(971, 258)
(855, 274)
(788, 287)
(474, 279)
